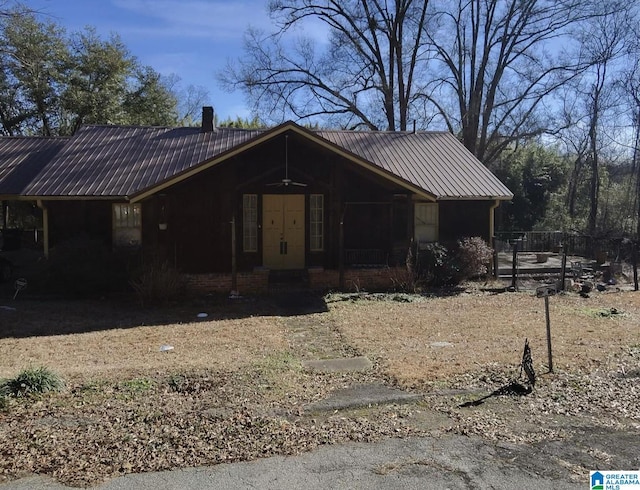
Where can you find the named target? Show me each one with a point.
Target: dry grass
(111, 339)
(81, 345)
(488, 329)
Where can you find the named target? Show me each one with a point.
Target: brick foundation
(254, 282)
(375, 279)
(257, 281)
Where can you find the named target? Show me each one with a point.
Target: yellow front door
(283, 231)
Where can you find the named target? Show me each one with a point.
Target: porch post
(45, 228)
(341, 251)
(5, 218)
(234, 266)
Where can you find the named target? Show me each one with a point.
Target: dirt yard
(233, 388)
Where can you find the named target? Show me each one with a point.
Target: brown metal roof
(118, 161)
(433, 161)
(22, 158)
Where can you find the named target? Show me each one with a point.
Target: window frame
(250, 223)
(316, 223)
(433, 224)
(127, 224)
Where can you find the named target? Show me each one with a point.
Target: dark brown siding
(197, 214)
(70, 219)
(459, 219)
(199, 211)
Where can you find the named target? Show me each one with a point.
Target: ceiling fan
(286, 181)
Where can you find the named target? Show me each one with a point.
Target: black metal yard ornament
(545, 292)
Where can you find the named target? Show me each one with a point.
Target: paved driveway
(447, 462)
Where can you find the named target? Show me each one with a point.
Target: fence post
(635, 265)
(514, 265)
(496, 266)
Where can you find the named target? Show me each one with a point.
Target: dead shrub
(434, 265)
(158, 282)
(473, 257)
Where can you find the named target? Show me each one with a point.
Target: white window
(426, 222)
(250, 222)
(316, 222)
(127, 225)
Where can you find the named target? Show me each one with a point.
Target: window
(316, 222)
(250, 222)
(127, 225)
(426, 222)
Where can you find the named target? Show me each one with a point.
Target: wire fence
(614, 249)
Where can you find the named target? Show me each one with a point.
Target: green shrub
(32, 381)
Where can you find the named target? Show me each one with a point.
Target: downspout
(45, 228)
(492, 238)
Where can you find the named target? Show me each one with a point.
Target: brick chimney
(207, 119)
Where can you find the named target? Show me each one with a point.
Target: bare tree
(603, 40)
(630, 84)
(190, 99)
(481, 68)
(370, 75)
(499, 61)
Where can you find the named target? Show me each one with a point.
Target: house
(228, 207)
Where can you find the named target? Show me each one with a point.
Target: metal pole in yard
(563, 268)
(635, 265)
(545, 292)
(546, 310)
(514, 265)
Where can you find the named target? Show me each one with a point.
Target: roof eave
(475, 198)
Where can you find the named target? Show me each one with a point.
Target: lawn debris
(514, 387)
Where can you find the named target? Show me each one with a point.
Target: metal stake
(546, 310)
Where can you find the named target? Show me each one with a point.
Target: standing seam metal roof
(21, 158)
(121, 161)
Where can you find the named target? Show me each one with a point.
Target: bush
(32, 381)
(431, 266)
(158, 282)
(473, 257)
(435, 265)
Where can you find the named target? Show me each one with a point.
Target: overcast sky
(190, 38)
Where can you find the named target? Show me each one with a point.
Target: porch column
(341, 250)
(45, 228)
(234, 266)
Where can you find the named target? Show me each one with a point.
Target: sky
(190, 38)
